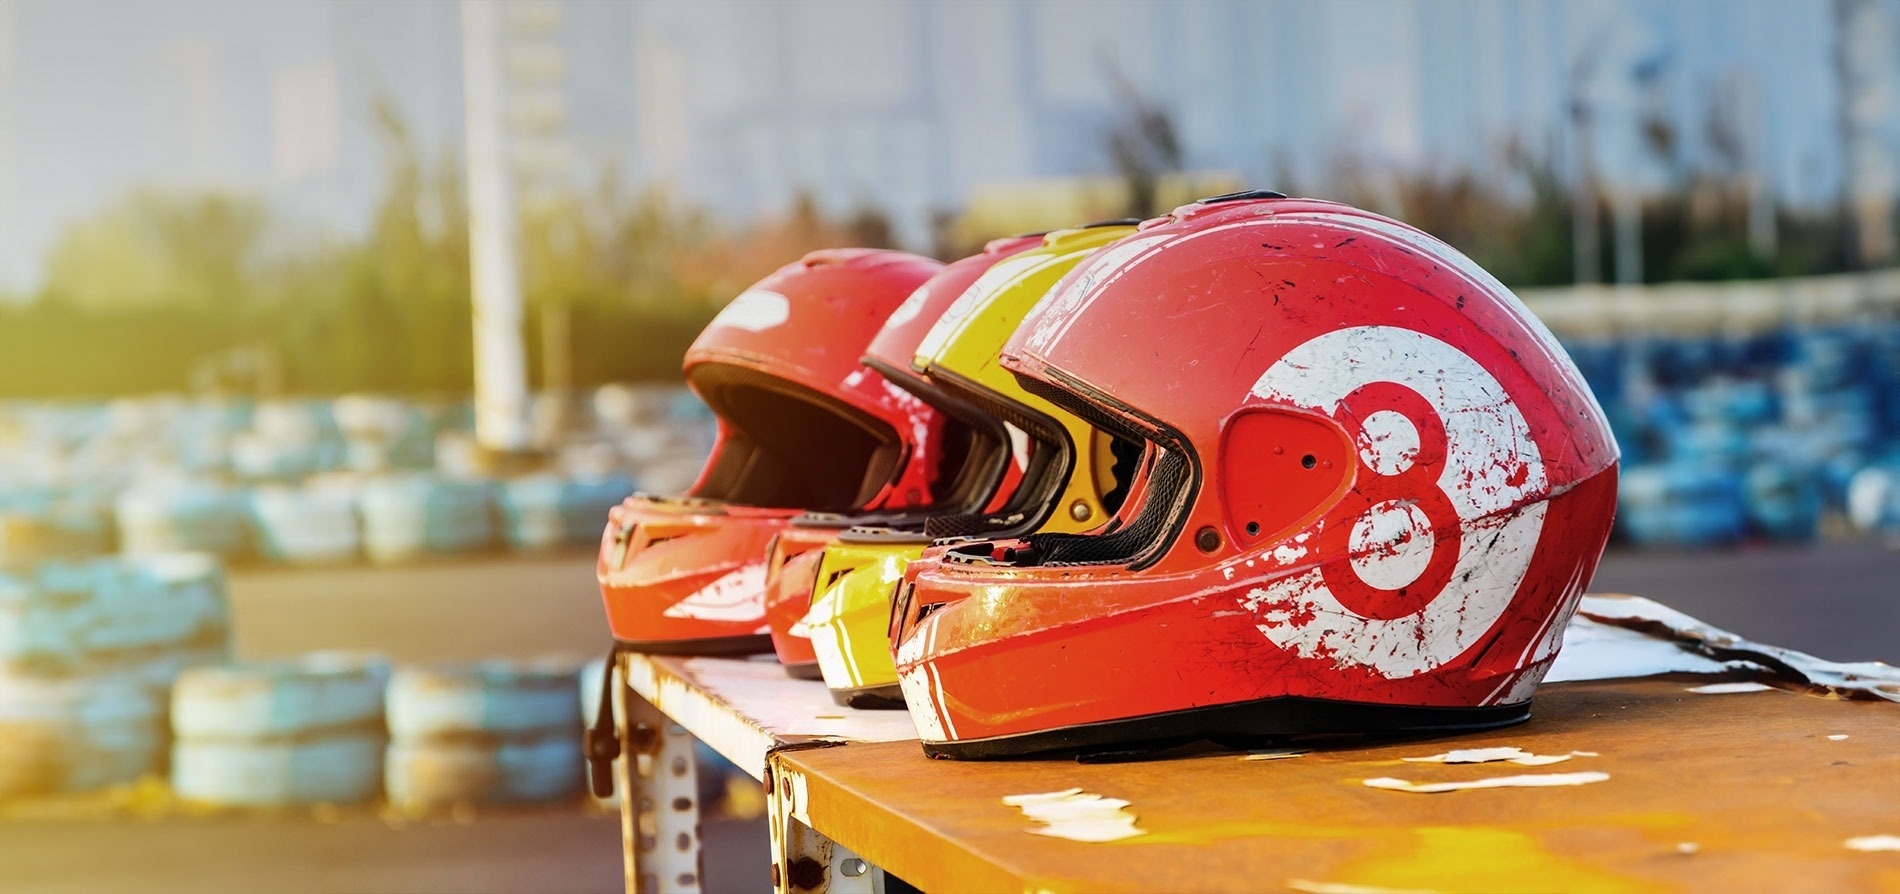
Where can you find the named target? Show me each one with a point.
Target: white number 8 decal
(1437, 539)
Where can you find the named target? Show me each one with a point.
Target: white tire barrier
(491, 732)
(307, 525)
(182, 517)
(344, 768)
(150, 615)
(531, 513)
(76, 734)
(405, 517)
(280, 733)
(545, 766)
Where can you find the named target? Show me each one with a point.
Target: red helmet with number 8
(1375, 488)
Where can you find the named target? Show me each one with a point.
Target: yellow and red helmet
(1069, 476)
(802, 424)
(1375, 487)
(976, 454)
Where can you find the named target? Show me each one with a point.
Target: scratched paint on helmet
(959, 310)
(911, 307)
(1060, 306)
(1440, 251)
(920, 684)
(1481, 423)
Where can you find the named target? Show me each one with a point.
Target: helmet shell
(1374, 479)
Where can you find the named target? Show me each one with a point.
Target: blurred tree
(159, 249)
(1143, 144)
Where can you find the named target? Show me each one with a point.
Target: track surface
(1838, 601)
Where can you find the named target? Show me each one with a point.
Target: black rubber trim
(1241, 196)
(600, 743)
(971, 487)
(884, 534)
(1239, 725)
(870, 698)
(747, 644)
(1050, 466)
(1090, 403)
(804, 670)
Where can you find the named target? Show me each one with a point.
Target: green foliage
(166, 291)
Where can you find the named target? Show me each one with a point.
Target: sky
(910, 105)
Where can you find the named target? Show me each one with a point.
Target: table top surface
(1760, 789)
(1734, 792)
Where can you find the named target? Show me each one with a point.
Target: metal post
(501, 380)
(659, 799)
(804, 861)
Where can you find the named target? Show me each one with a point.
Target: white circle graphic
(1493, 475)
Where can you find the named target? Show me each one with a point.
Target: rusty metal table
(1743, 791)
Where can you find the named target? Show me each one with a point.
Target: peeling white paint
(920, 685)
(1077, 815)
(1308, 886)
(735, 596)
(1529, 780)
(1873, 843)
(1872, 678)
(1728, 688)
(1509, 753)
(1597, 651)
(1837, 737)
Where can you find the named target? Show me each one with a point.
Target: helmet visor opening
(787, 445)
(973, 454)
(1164, 501)
(1050, 461)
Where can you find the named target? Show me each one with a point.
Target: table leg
(804, 861)
(659, 800)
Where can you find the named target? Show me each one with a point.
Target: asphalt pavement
(1839, 601)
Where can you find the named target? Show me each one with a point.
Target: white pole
(501, 381)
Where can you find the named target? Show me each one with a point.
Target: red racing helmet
(977, 471)
(1374, 489)
(802, 424)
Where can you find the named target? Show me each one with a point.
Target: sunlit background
(236, 291)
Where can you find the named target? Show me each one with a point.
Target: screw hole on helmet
(1253, 529)
(1207, 539)
(1308, 461)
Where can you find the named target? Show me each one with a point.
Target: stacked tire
(183, 516)
(280, 734)
(546, 512)
(87, 651)
(406, 517)
(494, 732)
(307, 525)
